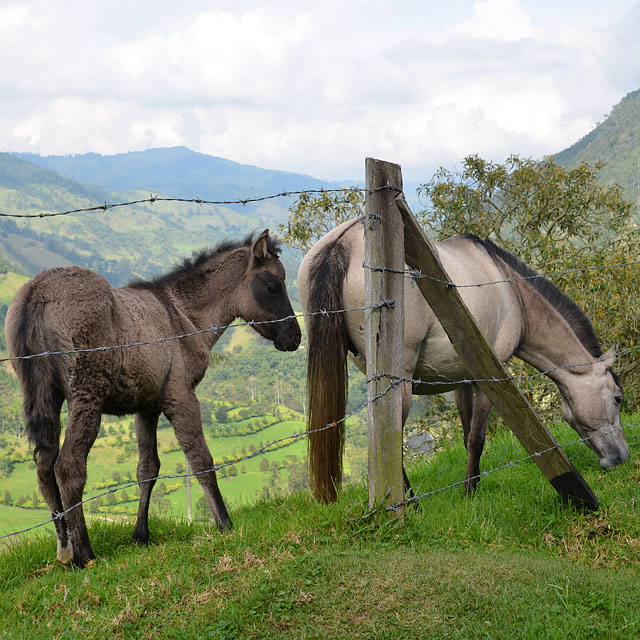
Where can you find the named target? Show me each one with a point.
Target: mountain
(175, 171)
(616, 142)
(137, 240)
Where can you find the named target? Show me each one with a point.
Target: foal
(73, 309)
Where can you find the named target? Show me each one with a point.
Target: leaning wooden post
(486, 368)
(384, 246)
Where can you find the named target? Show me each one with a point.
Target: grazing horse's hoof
(470, 487)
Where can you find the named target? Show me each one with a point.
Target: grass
(241, 489)
(512, 562)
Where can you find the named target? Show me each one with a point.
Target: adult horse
(529, 318)
(73, 309)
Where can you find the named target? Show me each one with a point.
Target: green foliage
(312, 215)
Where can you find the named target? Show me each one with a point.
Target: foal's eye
(273, 287)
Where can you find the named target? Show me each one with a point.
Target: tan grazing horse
(529, 318)
(72, 309)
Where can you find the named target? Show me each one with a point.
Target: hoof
(65, 554)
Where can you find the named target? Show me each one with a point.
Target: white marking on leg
(65, 554)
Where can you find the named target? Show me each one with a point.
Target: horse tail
(41, 400)
(327, 370)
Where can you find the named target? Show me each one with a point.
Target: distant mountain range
(139, 240)
(175, 171)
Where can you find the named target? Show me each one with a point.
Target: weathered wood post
(384, 246)
(484, 365)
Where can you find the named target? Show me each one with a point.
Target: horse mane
(189, 266)
(560, 301)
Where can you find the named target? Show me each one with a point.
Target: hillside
(511, 563)
(175, 171)
(122, 243)
(616, 142)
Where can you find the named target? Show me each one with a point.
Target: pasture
(118, 452)
(511, 562)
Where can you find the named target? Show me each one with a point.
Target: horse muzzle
(288, 339)
(614, 459)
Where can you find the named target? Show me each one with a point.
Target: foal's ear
(260, 246)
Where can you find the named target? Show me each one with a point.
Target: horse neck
(550, 342)
(208, 297)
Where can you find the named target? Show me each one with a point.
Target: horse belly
(137, 388)
(438, 368)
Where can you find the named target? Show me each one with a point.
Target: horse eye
(273, 287)
(618, 398)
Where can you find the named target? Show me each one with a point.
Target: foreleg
(184, 415)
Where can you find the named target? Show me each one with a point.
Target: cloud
(312, 87)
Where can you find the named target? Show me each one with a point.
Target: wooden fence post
(384, 246)
(484, 365)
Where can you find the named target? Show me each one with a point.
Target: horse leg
(475, 440)
(71, 474)
(464, 403)
(148, 469)
(47, 424)
(184, 414)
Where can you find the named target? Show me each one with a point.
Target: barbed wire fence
(394, 380)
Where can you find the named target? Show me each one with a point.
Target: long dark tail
(41, 400)
(327, 371)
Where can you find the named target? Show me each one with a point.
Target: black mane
(569, 310)
(189, 266)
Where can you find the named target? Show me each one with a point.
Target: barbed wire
(465, 381)
(260, 451)
(214, 329)
(153, 199)
(482, 474)
(416, 274)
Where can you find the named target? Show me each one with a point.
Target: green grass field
(103, 460)
(513, 562)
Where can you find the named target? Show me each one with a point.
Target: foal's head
(265, 298)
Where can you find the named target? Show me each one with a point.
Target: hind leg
(71, 475)
(183, 411)
(46, 456)
(406, 407)
(148, 467)
(475, 440)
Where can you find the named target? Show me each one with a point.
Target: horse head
(265, 301)
(592, 408)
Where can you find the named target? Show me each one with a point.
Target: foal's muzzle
(289, 338)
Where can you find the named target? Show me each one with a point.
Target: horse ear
(609, 356)
(260, 246)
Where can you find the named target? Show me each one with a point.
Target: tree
(312, 215)
(222, 414)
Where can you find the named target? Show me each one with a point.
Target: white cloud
(313, 87)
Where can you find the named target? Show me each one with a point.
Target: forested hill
(131, 241)
(175, 171)
(616, 142)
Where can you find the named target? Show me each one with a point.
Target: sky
(314, 86)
